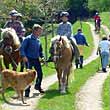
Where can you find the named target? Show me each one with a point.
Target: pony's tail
(1, 63)
(72, 77)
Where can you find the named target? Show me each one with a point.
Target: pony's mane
(12, 32)
(64, 38)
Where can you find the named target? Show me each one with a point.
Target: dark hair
(79, 30)
(104, 38)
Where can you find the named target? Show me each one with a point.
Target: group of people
(31, 47)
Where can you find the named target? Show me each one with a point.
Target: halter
(7, 45)
(59, 47)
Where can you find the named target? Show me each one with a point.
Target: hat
(19, 15)
(11, 13)
(64, 13)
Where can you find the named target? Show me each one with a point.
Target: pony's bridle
(8, 49)
(58, 51)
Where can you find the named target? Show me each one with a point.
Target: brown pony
(62, 58)
(9, 47)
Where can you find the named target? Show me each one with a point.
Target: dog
(16, 80)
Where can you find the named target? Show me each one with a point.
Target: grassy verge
(106, 87)
(53, 100)
(105, 16)
(106, 94)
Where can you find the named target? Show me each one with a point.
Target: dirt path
(15, 104)
(106, 30)
(89, 97)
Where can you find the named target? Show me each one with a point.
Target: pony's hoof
(63, 92)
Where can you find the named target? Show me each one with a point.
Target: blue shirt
(80, 39)
(31, 47)
(64, 29)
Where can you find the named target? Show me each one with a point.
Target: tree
(100, 5)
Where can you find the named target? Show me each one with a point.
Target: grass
(106, 94)
(53, 100)
(105, 16)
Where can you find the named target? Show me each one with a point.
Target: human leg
(105, 58)
(38, 68)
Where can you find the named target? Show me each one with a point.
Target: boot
(81, 61)
(77, 63)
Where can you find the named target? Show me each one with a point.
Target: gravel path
(89, 97)
(15, 104)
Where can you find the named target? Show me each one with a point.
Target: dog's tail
(1, 63)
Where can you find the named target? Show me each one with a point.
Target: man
(15, 24)
(81, 41)
(31, 51)
(104, 48)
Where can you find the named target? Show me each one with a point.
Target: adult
(81, 42)
(103, 49)
(15, 24)
(97, 21)
(31, 51)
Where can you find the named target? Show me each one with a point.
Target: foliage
(100, 5)
(105, 16)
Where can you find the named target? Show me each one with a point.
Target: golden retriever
(17, 80)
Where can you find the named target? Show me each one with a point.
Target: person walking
(103, 50)
(81, 42)
(31, 51)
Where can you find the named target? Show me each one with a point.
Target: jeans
(104, 59)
